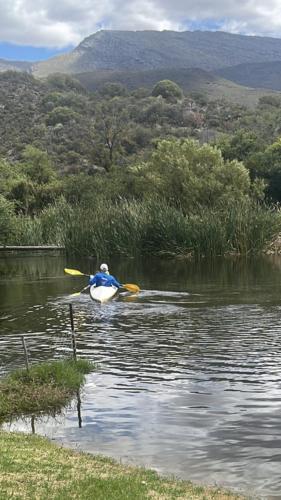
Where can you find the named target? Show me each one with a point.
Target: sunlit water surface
(189, 371)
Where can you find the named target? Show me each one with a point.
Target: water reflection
(189, 370)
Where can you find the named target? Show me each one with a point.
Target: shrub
(7, 221)
(168, 90)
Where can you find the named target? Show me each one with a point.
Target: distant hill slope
(145, 50)
(263, 75)
(6, 65)
(20, 97)
(189, 80)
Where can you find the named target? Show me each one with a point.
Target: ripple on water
(186, 383)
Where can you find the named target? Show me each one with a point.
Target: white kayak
(102, 293)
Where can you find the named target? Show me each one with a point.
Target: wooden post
(33, 424)
(25, 353)
(79, 409)
(72, 332)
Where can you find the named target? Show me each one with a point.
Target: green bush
(168, 90)
(62, 115)
(7, 221)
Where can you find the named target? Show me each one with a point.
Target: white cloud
(59, 23)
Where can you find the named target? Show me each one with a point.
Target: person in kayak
(103, 278)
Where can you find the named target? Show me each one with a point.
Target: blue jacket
(103, 279)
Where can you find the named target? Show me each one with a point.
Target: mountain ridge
(252, 61)
(144, 50)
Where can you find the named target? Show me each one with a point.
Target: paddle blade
(131, 288)
(73, 272)
(79, 293)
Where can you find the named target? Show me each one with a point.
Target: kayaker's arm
(116, 283)
(92, 280)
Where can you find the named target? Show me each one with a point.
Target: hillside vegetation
(129, 172)
(81, 130)
(189, 79)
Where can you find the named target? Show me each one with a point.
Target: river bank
(188, 371)
(33, 467)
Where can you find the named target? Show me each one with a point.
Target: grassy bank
(46, 387)
(32, 467)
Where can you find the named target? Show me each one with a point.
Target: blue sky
(28, 53)
(38, 29)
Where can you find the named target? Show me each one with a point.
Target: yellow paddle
(128, 286)
(78, 293)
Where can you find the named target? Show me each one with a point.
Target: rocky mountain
(146, 50)
(139, 58)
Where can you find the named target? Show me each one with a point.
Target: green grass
(46, 387)
(32, 467)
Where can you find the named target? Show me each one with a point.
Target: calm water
(189, 378)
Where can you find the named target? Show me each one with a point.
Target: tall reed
(28, 231)
(132, 228)
(152, 227)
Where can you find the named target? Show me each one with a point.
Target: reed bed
(134, 228)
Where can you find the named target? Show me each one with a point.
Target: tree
(111, 124)
(7, 220)
(269, 101)
(16, 186)
(10, 174)
(23, 193)
(168, 90)
(37, 165)
(65, 99)
(62, 81)
(239, 146)
(140, 93)
(187, 175)
(39, 185)
(112, 89)
(62, 115)
(267, 165)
